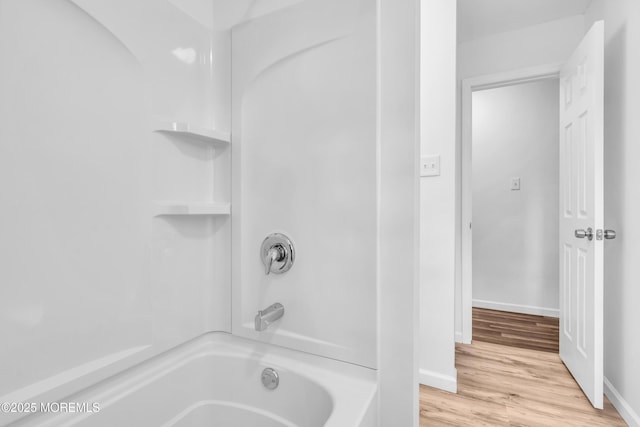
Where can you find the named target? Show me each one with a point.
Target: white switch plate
(430, 166)
(515, 184)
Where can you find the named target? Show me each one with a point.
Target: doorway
(510, 194)
(514, 204)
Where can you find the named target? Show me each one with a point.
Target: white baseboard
(439, 381)
(516, 308)
(459, 338)
(624, 409)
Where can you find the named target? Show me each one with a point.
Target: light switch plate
(515, 184)
(430, 166)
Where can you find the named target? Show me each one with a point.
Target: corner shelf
(204, 134)
(162, 208)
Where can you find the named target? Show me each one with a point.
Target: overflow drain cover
(270, 378)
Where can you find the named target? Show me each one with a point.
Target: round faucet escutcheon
(277, 253)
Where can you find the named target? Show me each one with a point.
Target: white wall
(547, 43)
(622, 203)
(437, 194)
(515, 252)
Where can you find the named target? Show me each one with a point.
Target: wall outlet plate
(515, 184)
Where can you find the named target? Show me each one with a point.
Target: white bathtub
(215, 380)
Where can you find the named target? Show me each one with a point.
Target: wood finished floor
(516, 330)
(503, 385)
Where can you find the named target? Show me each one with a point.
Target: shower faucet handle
(277, 253)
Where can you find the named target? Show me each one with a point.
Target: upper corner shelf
(204, 134)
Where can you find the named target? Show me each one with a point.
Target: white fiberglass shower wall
(148, 147)
(115, 165)
(304, 131)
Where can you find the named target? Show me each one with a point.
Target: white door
(582, 213)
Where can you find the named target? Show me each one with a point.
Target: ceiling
(480, 18)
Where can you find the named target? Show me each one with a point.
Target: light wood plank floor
(502, 385)
(515, 329)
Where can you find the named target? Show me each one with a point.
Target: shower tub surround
(148, 147)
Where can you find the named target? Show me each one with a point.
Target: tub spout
(267, 316)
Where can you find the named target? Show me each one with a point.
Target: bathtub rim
(110, 390)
